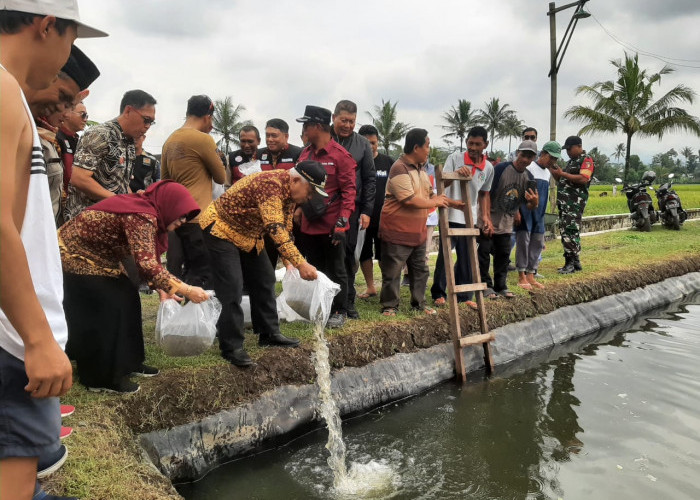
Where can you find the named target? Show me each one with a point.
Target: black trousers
(271, 251)
(104, 327)
(371, 241)
(462, 269)
(195, 256)
(330, 260)
(233, 267)
(350, 244)
(499, 246)
(175, 256)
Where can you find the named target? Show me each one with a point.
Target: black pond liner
(187, 452)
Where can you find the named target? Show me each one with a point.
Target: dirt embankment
(182, 396)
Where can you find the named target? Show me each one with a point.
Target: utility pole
(556, 55)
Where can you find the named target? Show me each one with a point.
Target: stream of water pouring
(329, 410)
(373, 479)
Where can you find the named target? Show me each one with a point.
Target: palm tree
(512, 127)
(227, 124)
(459, 120)
(690, 158)
(627, 105)
(619, 152)
(389, 128)
(492, 116)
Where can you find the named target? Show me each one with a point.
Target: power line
(629, 46)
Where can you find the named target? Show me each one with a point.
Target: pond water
(614, 415)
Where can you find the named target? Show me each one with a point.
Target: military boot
(568, 266)
(577, 264)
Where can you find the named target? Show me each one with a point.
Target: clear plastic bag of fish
(312, 300)
(187, 330)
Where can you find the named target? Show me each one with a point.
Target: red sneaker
(65, 432)
(67, 410)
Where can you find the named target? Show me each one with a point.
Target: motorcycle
(671, 213)
(639, 202)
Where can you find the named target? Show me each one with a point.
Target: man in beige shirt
(190, 158)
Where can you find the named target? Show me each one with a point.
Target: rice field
(609, 204)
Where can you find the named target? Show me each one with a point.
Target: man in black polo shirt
(278, 154)
(343, 132)
(382, 165)
(240, 161)
(146, 168)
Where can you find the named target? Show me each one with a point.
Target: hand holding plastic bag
(187, 330)
(312, 300)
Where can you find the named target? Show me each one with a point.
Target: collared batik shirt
(258, 204)
(109, 155)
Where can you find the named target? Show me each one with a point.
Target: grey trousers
(528, 248)
(393, 258)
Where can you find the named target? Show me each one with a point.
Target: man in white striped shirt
(36, 39)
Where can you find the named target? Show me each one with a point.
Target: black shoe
(567, 261)
(577, 264)
(49, 464)
(145, 371)
(405, 281)
(352, 312)
(124, 386)
(511, 268)
(277, 339)
(337, 320)
(567, 269)
(239, 357)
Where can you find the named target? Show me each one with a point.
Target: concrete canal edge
(189, 451)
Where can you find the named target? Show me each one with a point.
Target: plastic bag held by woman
(187, 330)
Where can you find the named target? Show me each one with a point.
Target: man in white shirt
(472, 163)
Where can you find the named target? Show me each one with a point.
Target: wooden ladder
(446, 234)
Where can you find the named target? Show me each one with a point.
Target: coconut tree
(627, 105)
(512, 127)
(690, 158)
(458, 120)
(619, 152)
(386, 122)
(493, 116)
(227, 123)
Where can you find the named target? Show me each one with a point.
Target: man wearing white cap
(36, 39)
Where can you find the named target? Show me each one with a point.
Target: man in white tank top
(36, 38)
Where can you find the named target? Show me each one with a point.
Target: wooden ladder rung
(474, 287)
(454, 176)
(476, 339)
(454, 231)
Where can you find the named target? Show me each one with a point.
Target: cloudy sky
(275, 57)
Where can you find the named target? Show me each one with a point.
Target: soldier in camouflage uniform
(572, 195)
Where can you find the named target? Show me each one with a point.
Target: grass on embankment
(104, 461)
(609, 204)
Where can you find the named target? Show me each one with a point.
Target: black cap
(316, 114)
(80, 68)
(313, 172)
(572, 140)
(200, 105)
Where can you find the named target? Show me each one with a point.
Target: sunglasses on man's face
(147, 120)
(83, 115)
(530, 137)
